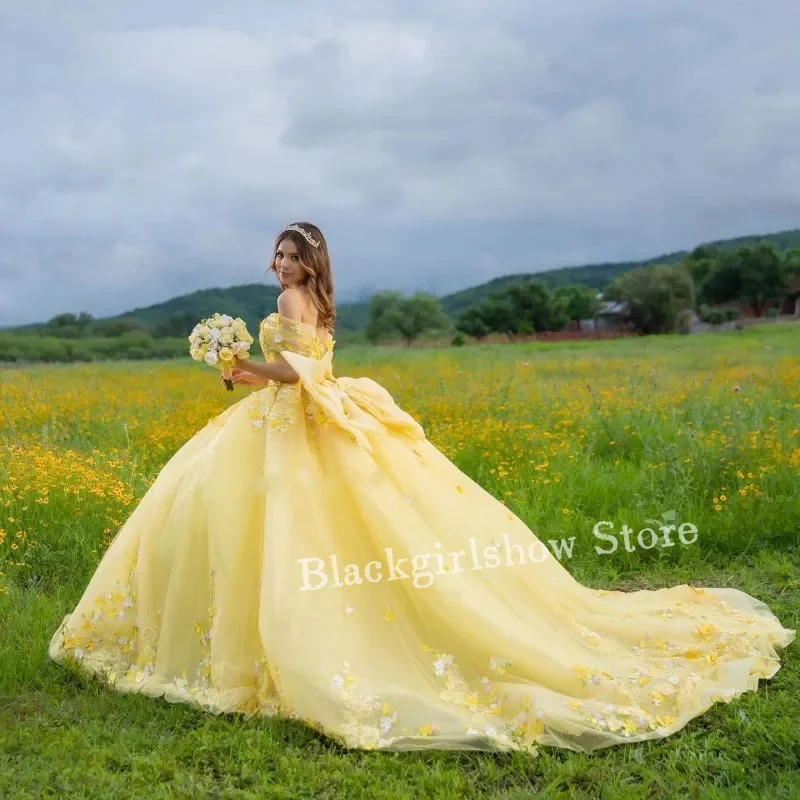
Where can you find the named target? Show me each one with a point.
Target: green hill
(176, 316)
(598, 276)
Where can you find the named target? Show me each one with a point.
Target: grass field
(567, 435)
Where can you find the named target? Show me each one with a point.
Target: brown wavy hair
(316, 263)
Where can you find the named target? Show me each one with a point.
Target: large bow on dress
(339, 398)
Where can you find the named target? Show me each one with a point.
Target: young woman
(310, 554)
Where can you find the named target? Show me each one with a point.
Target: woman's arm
(290, 306)
(279, 371)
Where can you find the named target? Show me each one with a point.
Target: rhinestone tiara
(303, 232)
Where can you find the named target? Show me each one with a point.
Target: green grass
(624, 451)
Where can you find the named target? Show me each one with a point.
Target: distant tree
(418, 314)
(498, 314)
(383, 315)
(518, 309)
(655, 296)
(755, 275)
(116, 326)
(763, 278)
(534, 308)
(723, 283)
(64, 326)
(577, 301)
(178, 323)
(391, 314)
(700, 263)
(791, 263)
(62, 320)
(472, 323)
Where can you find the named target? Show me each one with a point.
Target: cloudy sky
(152, 148)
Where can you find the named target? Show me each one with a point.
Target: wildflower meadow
(701, 430)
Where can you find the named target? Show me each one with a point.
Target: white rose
(238, 326)
(236, 347)
(196, 353)
(225, 320)
(215, 334)
(211, 358)
(226, 338)
(204, 331)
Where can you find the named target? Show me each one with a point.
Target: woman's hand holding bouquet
(220, 341)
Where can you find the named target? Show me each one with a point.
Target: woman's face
(287, 264)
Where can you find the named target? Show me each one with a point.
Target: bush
(525, 328)
(714, 316)
(684, 321)
(458, 340)
(50, 349)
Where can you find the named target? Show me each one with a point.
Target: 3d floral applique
(588, 676)
(480, 708)
(649, 642)
(285, 409)
(590, 636)
(259, 405)
(108, 635)
(605, 645)
(428, 729)
(442, 664)
(622, 720)
(706, 632)
(637, 677)
(313, 413)
(204, 686)
(267, 696)
(368, 719)
(499, 665)
(657, 698)
(528, 722)
(387, 720)
(343, 678)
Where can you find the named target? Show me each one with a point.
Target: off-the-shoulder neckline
(300, 322)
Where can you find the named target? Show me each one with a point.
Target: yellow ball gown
(309, 554)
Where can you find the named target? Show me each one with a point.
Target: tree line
(656, 298)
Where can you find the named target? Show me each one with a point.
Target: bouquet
(219, 341)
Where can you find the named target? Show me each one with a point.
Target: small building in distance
(610, 316)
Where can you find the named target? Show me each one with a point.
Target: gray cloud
(155, 150)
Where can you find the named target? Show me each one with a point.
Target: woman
(310, 554)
